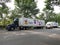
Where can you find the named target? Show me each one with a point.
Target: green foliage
(5, 22)
(51, 3)
(3, 10)
(50, 15)
(27, 8)
(41, 17)
(48, 5)
(58, 18)
(55, 2)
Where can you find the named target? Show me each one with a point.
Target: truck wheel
(12, 29)
(21, 28)
(9, 29)
(26, 28)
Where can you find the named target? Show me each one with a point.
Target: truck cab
(12, 26)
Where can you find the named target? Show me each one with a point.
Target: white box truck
(26, 23)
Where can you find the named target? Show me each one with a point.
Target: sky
(10, 5)
(57, 9)
(40, 5)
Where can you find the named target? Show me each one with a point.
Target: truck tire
(12, 29)
(25, 28)
(21, 28)
(9, 29)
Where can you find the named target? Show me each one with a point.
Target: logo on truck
(26, 22)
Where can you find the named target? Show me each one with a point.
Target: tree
(27, 8)
(14, 14)
(57, 18)
(51, 3)
(41, 16)
(3, 9)
(55, 2)
(48, 10)
(49, 15)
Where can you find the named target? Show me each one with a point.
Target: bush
(5, 22)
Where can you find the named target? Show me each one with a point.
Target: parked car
(55, 25)
(51, 25)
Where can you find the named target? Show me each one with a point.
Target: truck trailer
(26, 23)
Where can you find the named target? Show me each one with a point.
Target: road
(31, 37)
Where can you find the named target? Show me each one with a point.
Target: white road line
(21, 34)
(54, 36)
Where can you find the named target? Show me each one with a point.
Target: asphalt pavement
(30, 37)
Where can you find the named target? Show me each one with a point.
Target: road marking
(54, 36)
(21, 34)
(8, 37)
